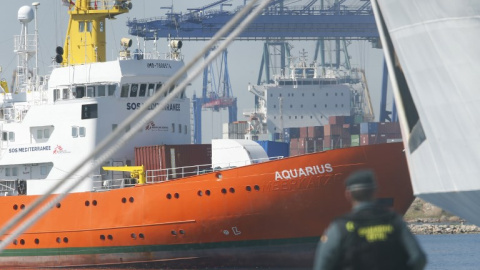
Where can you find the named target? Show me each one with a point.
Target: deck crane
(317, 20)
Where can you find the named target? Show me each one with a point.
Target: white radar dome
(25, 14)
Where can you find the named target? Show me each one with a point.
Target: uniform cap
(364, 179)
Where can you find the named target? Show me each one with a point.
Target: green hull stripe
(152, 248)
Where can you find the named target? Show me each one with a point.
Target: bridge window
(56, 94)
(159, 86)
(66, 93)
(179, 128)
(134, 90)
(151, 89)
(143, 89)
(124, 92)
(101, 90)
(14, 171)
(90, 91)
(114, 126)
(11, 136)
(185, 129)
(79, 92)
(111, 89)
(7, 171)
(173, 127)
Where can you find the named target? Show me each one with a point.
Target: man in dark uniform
(370, 237)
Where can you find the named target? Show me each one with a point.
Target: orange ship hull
(266, 214)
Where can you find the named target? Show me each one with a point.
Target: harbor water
(451, 251)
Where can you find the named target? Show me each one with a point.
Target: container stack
(168, 157)
(235, 130)
(341, 132)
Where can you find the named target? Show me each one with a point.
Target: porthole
(102, 237)
(37, 241)
(94, 202)
(232, 190)
(256, 187)
(59, 240)
(22, 206)
(224, 191)
(15, 242)
(131, 199)
(173, 232)
(134, 236)
(15, 207)
(177, 195)
(248, 188)
(169, 196)
(22, 242)
(58, 205)
(87, 203)
(110, 237)
(207, 192)
(182, 232)
(65, 240)
(124, 200)
(200, 193)
(141, 235)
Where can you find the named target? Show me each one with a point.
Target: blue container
(275, 149)
(369, 128)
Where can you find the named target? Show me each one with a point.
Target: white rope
(107, 146)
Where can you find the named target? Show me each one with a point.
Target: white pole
(35, 70)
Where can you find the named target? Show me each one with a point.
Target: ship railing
(8, 187)
(100, 184)
(161, 175)
(139, 55)
(168, 174)
(106, 4)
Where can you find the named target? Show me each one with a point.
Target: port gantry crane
(318, 20)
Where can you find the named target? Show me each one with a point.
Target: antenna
(35, 70)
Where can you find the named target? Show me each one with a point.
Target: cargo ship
(253, 211)
(432, 66)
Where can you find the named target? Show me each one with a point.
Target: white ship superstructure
(49, 123)
(303, 98)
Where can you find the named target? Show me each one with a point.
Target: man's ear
(348, 195)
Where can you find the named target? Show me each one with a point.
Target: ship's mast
(25, 46)
(85, 41)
